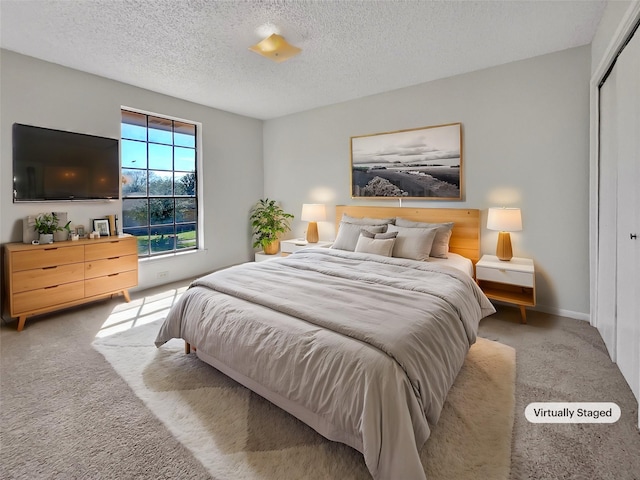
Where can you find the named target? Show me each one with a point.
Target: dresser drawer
(110, 249)
(46, 257)
(108, 266)
(26, 280)
(110, 283)
(511, 277)
(47, 297)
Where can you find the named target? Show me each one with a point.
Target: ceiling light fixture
(275, 48)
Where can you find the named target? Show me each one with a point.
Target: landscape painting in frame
(421, 163)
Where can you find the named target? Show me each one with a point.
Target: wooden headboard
(465, 237)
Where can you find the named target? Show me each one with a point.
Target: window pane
(186, 210)
(134, 154)
(185, 183)
(135, 213)
(161, 211)
(184, 134)
(142, 236)
(160, 157)
(160, 183)
(185, 159)
(160, 130)
(162, 239)
(186, 236)
(158, 178)
(134, 126)
(134, 183)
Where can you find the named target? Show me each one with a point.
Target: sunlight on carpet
(141, 311)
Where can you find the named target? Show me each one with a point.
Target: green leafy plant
(47, 223)
(268, 221)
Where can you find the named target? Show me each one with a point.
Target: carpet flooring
(238, 435)
(66, 414)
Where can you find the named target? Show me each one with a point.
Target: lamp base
(312, 232)
(503, 250)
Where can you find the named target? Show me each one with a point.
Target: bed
(361, 346)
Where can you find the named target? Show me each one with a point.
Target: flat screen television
(53, 165)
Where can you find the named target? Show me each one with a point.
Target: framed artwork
(102, 226)
(421, 163)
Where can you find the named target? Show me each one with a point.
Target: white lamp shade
(504, 219)
(313, 212)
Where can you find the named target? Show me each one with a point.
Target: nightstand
(261, 256)
(287, 247)
(510, 281)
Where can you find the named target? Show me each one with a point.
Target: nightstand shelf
(508, 281)
(287, 247)
(261, 256)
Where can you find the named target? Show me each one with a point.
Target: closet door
(607, 221)
(628, 214)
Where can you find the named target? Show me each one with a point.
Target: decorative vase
(45, 238)
(272, 248)
(62, 236)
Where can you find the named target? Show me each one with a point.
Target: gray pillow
(377, 246)
(348, 234)
(369, 234)
(440, 245)
(413, 243)
(366, 221)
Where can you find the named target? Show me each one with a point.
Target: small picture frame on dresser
(101, 226)
(80, 231)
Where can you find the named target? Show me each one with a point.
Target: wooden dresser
(44, 278)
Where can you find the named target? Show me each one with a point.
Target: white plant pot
(45, 238)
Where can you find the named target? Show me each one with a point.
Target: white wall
(43, 94)
(607, 29)
(525, 143)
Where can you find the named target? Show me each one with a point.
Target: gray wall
(525, 134)
(43, 94)
(525, 143)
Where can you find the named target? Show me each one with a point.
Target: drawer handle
(113, 258)
(54, 286)
(52, 248)
(115, 241)
(113, 275)
(49, 268)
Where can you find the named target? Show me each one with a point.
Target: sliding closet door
(628, 214)
(607, 221)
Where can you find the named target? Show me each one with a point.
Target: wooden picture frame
(421, 163)
(102, 226)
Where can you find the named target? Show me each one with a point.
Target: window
(159, 187)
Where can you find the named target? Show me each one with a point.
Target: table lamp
(312, 213)
(504, 220)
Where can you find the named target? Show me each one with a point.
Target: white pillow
(348, 234)
(440, 245)
(377, 246)
(413, 243)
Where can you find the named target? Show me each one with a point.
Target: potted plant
(46, 224)
(268, 221)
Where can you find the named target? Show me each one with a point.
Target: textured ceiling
(197, 50)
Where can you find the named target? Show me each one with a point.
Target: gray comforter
(363, 348)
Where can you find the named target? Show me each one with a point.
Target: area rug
(236, 434)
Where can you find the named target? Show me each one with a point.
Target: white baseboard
(563, 313)
(555, 311)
